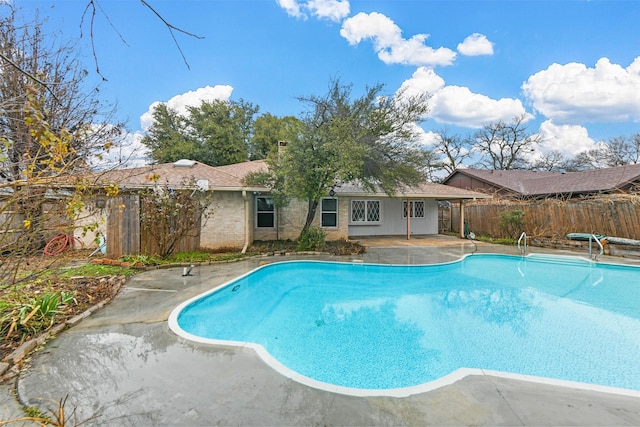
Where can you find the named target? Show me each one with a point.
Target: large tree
(505, 145)
(618, 151)
(372, 140)
(167, 138)
(215, 133)
(552, 161)
(52, 127)
(39, 69)
(222, 130)
(454, 150)
(268, 130)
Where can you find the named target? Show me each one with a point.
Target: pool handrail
(591, 238)
(523, 250)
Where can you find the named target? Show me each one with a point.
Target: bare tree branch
(29, 75)
(171, 28)
(92, 5)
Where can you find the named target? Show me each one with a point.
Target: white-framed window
(365, 211)
(329, 212)
(265, 212)
(416, 209)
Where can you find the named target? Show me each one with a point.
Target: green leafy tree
(372, 140)
(268, 130)
(167, 137)
(222, 130)
(215, 133)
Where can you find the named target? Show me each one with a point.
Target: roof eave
(417, 196)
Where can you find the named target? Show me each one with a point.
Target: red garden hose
(59, 244)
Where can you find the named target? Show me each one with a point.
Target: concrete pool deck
(123, 366)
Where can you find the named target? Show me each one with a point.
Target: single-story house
(240, 214)
(539, 184)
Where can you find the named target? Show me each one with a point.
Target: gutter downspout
(462, 236)
(247, 219)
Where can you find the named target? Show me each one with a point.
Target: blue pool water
(385, 327)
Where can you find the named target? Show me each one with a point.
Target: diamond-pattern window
(373, 211)
(358, 210)
(365, 211)
(416, 209)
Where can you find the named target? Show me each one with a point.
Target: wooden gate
(123, 226)
(188, 230)
(126, 235)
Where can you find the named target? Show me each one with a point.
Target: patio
(123, 366)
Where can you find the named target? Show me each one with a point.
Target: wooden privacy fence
(13, 233)
(126, 236)
(614, 215)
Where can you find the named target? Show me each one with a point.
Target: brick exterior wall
(291, 218)
(224, 227)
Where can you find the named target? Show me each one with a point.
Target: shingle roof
(228, 177)
(425, 190)
(530, 183)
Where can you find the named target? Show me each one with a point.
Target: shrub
(311, 239)
(512, 223)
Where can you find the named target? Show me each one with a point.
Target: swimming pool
(389, 330)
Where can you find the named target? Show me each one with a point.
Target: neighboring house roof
(532, 183)
(178, 174)
(606, 180)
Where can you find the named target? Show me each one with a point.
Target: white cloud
(188, 99)
(567, 139)
(292, 7)
(423, 80)
(476, 44)
(334, 10)
(389, 44)
(126, 151)
(575, 94)
(458, 105)
(430, 138)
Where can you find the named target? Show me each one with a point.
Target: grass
(335, 247)
(488, 239)
(185, 257)
(507, 241)
(93, 270)
(338, 247)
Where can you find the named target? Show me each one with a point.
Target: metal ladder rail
(523, 250)
(592, 238)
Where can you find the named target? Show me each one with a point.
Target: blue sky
(573, 67)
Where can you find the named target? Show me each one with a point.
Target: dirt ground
(86, 292)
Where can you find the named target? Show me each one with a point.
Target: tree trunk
(311, 214)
